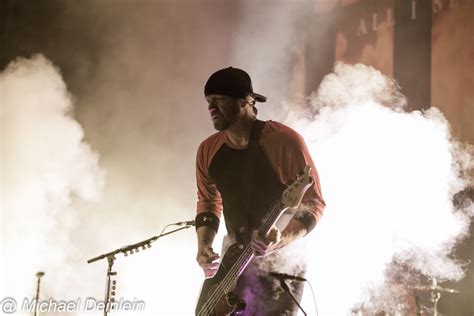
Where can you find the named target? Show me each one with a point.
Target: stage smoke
(388, 178)
(46, 166)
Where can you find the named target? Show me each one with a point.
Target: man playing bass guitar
(241, 171)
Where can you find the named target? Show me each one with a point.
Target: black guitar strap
(252, 149)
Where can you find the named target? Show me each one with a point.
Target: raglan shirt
(220, 166)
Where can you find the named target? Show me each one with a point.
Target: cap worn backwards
(232, 82)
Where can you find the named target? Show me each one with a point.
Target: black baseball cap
(232, 82)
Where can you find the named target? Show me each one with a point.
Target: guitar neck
(239, 266)
(272, 219)
(247, 254)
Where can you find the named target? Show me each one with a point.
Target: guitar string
(216, 295)
(210, 303)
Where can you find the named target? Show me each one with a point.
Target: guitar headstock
(294, 193)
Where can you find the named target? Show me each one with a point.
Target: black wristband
(307, 219)
(208, 219)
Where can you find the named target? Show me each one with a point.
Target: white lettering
(28, 306)
(73, 306)
(90, 304)
(100, 306)
(44, 306)
(361, 29)
(139, 306)
(374, 22)
(126, 306)
(61, 306)
(413, 9)
(437, 6)
(390, 20)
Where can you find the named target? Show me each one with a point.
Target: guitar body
(228, 303)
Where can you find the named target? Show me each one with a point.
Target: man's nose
(212, 105)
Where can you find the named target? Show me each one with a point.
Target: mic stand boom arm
(126, 250)
(129, 249)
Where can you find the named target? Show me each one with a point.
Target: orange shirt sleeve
(288, 154)
(209, 198)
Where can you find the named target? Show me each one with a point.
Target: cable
(314, 298)
(164, 228)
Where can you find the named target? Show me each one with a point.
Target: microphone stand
(110, 284)
(287, 289)
(38, 276)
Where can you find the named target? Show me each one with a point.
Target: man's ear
(250, 100)
(242, 102)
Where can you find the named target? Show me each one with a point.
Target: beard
(220, 124)
(230, 116)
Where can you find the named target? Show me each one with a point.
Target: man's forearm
(294, 230)
(205, 236)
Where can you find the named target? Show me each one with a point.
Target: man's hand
(263, 246)
(208, 260)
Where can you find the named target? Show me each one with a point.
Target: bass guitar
(216, 298)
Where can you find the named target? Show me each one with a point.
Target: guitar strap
(249, 185)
